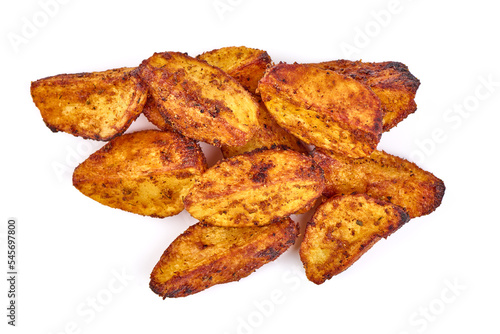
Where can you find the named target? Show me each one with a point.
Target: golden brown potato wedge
(382, 176)
(391, 81)
(146, 172)
(323, 108)
(268, 135)
(344, 228)
(206, 255)
(255, 188)
(246, 65)
(99, 105)
(200, 101)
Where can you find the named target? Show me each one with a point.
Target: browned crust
(290, 74)
(380, 74)
(264, 245)
(391, 81)
(179, 100)
(246, 65)
(292, 83)
(383, 176)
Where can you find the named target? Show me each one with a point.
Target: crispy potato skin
(255, 188)
(342, 229)
(391, 81)
(146, 172)
(383, 176)
(323, 108)
(200, 101)
(98, 105)
(206, 255)
(246, 65)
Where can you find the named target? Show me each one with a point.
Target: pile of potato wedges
(294, 137)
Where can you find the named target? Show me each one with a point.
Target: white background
(84, 267)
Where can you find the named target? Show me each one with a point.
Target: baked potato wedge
(391, 81)
(382, 176)
(255, 188)
(147, 172)
(342, 229)
(206, 255)
(246, 65)
(200, 101)
(323, 108)
(98, 105)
